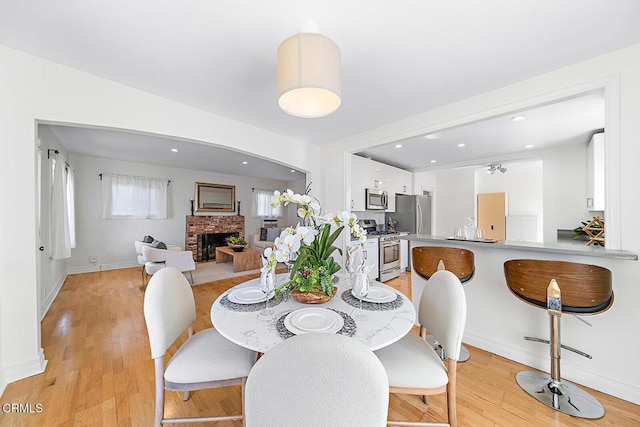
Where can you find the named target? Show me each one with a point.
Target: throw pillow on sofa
(272, 233)
(158, 244)
(148, 239)
(263, 234)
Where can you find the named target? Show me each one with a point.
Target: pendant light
(309, 75)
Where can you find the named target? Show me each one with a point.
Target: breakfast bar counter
(578, 248)
(497, 321)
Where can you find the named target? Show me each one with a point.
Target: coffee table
(248, 259)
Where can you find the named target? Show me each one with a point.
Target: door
(492, 214)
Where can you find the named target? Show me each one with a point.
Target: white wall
(37, 90)
(453, 200)
(522, 184)
(565, 189)
(111, 240)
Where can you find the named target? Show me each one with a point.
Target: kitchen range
(388, 252)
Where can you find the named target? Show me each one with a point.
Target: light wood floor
(100, 370)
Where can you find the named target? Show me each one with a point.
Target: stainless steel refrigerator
(413, 214)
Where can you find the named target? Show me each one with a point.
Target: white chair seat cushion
(412, 363)
(208, 356)
(152, 267)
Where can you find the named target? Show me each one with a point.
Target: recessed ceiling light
(244, 163)
(293, 170)
(431, 136)
(433, 161)
(528, 146)
(175, 150)
(398, 145)
(518, 118)
(461, 145)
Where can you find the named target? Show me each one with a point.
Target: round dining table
(386, 315)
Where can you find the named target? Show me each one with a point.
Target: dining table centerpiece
(308, 248)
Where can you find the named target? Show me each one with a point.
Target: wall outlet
(93, 259)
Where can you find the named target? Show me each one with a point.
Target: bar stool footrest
(574, 401)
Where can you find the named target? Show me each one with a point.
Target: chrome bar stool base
(570, 400)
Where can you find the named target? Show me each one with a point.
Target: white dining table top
(259, 333)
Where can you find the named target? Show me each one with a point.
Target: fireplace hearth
(198, 225)
(209, 242)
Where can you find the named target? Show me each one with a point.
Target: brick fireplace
(200, 224)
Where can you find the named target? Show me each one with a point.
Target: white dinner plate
(250, 295)
(313, 319)
(378, 294)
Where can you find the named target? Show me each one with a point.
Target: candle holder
(191, 207)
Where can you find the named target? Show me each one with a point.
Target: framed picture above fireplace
(215, 197)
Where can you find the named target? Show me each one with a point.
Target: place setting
(315, 320)
(260, 297)
(370, 297)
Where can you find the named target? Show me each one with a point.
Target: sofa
(264, 239)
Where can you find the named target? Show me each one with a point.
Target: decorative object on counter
(391, 225)
(593, 230)
(311, 244)
(237, 243)
(470, 230)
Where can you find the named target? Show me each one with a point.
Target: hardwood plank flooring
(100, 371)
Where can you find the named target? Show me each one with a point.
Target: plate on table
(250, 295)
(378, 294)
(313, 319)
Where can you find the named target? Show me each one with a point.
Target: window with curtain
(262, 204)
(62, 209)
(133, 197)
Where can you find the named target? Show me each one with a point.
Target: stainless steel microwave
(376, 199)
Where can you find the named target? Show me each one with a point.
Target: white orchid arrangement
(308, 247)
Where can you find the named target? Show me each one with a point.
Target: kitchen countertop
(557, 248)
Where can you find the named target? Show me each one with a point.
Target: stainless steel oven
(389, 257)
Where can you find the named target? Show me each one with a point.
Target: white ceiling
(156, 150)
(399, 58)
(499, 139)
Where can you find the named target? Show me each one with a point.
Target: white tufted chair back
(317, 380)
(169, 308)
(443, 311)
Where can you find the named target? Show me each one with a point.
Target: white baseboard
(3, 383)
(101, 267)
(46, 304)
(578, 374)
(26, 369)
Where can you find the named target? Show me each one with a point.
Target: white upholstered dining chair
(205, 360)
(412, 364)
(317, 380)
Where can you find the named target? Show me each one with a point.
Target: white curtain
(133, 197)
(60, 237)
(262, 205)
(71, 206)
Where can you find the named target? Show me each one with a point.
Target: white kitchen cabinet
(522, 228)
(362, 177)
(371, 254)
(595, 173)
(366, 173)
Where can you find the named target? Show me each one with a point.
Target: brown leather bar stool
(560, 287)
(461, 262)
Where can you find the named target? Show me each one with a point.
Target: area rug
(207, 272)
